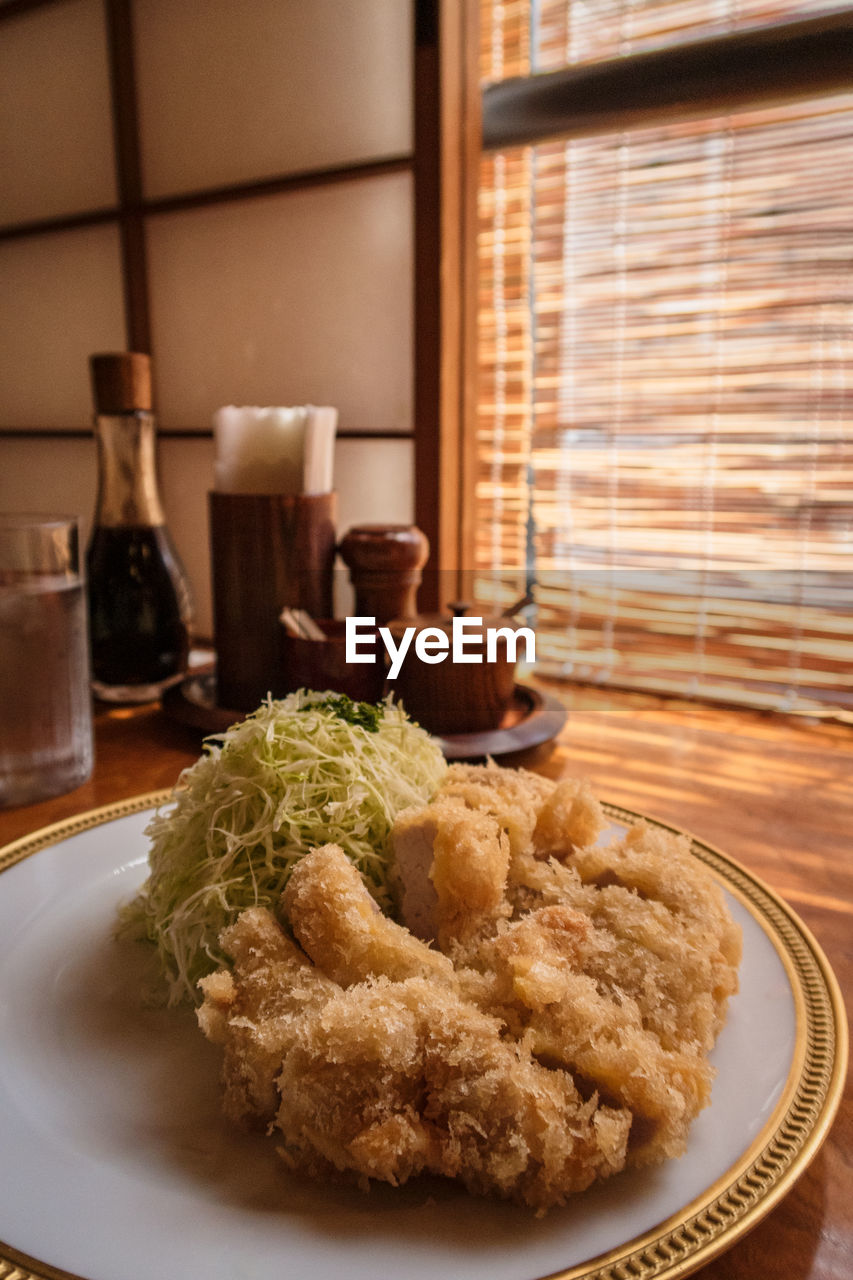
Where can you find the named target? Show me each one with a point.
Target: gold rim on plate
(763, 1174)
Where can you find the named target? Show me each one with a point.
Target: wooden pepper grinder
(385, 563)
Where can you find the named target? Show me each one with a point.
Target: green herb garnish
(366, 715)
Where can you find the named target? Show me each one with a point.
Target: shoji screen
(230, 185)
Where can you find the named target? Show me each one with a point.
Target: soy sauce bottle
(140, 614)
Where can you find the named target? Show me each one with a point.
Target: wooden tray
(533, 718)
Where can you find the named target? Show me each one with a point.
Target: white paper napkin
(274, 449)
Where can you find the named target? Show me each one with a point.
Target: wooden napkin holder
(268, 551)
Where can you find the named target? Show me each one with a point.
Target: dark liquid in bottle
(139, 611)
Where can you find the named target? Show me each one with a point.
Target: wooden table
(775, 794)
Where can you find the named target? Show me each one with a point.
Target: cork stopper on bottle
(121, 382)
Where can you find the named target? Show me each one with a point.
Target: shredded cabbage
(308, 769)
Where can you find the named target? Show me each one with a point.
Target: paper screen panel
(61, 476)
(60, 300)
(232, 92)
(375, 482)
(302, 298)
(56, 141)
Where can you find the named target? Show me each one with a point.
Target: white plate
(116, 1164)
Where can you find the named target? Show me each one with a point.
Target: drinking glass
(45, 701)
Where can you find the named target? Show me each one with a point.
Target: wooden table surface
(776, 794)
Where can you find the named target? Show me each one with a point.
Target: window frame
(456, 120)
(780, 63)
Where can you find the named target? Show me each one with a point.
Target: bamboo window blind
(665, 444)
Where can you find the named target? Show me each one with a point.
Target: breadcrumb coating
(343, 931)
(545, 1022)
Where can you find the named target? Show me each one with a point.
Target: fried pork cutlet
(400, 1078)
(385, 1072)
(615, 961)
(252, 1009)
(594, 1030)
(546, 1021)
(453, 864)
(343, 931)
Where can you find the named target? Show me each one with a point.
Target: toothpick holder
(268, 551)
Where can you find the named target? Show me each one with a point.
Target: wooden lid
(121, 382)
(383, 548)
